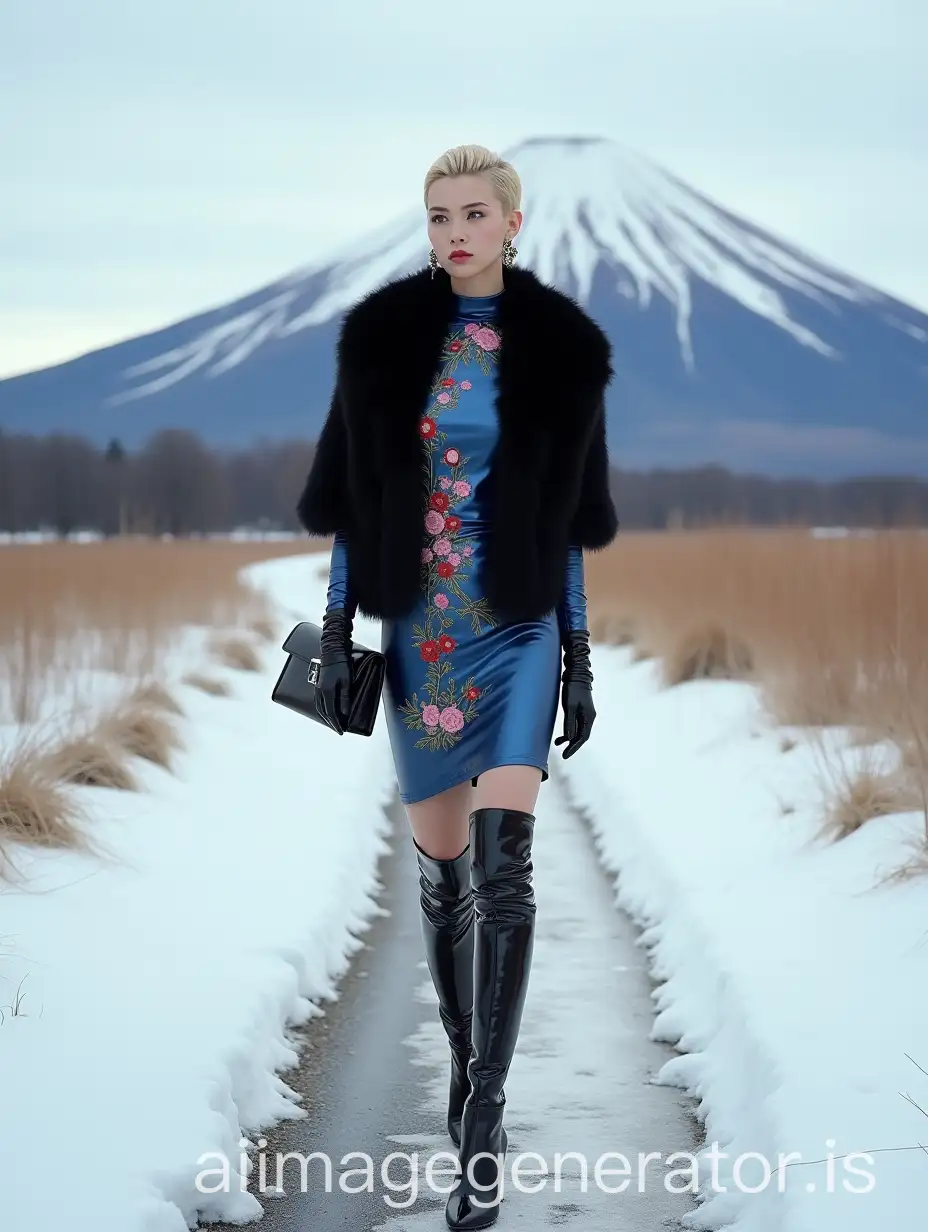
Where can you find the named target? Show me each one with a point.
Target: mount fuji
(731, 346)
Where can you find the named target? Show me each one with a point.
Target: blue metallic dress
(465, 692)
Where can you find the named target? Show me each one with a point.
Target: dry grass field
(116, 605)
(832, 630)
(68, 610)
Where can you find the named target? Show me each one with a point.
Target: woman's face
(464, 215)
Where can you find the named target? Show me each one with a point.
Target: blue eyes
(436, 217)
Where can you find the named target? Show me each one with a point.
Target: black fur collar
(409, 317)
(550, 473)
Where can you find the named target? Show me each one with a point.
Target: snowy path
(376, 1067)
(165, 986)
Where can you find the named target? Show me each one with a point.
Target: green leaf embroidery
(441, 689)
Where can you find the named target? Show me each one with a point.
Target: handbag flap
(304, 641)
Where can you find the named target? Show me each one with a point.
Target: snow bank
(795, 987)
(158, 985)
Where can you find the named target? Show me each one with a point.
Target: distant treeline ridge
(176, 484)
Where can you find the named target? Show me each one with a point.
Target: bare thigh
(510, 787)
(440, 825)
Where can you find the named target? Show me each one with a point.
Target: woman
(462, 468)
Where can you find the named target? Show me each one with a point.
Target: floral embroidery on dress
(447, 555)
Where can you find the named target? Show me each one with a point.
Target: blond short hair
(478, 160)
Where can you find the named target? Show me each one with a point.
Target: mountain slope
(732, 346)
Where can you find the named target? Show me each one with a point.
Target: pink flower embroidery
(448, 703)
(451, 719)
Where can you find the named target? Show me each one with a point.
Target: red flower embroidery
(448, 703)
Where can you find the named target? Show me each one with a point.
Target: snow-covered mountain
(732, 346)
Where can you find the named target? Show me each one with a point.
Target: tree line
(177, 484)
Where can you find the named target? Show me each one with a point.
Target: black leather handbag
(296, 685)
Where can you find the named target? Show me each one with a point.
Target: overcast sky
(169, 155)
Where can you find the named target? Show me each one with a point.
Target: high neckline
(476, 307)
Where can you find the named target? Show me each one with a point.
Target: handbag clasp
(312, 676)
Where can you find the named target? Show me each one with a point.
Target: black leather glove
(576, 691)
(333, 690)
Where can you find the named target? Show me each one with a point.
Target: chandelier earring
(509, 253)
(433, 261)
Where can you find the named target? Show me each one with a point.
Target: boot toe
(463, 1212)
(467, 1210)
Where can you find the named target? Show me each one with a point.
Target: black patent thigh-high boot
(447, 914)
(504, 933)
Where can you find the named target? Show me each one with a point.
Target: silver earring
(433, 261)
(509, 253)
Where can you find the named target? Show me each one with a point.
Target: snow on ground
(159, 983)
(797, 988)
(580, 1088)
